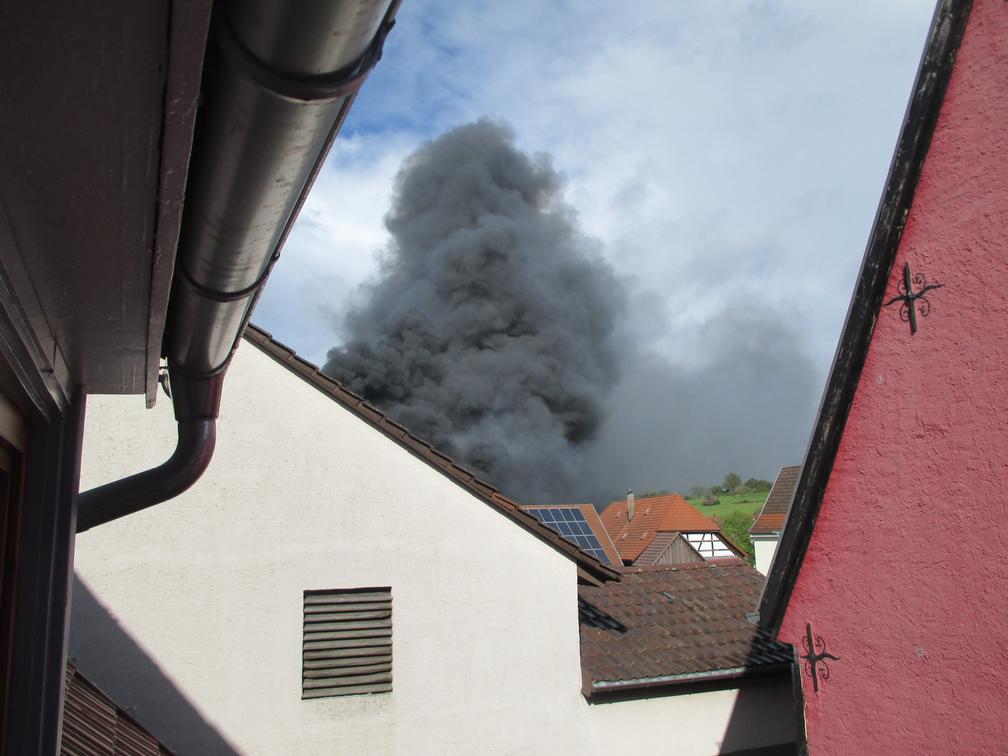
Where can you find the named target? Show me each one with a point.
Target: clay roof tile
(667, 625)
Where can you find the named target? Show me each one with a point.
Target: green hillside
(748, 503)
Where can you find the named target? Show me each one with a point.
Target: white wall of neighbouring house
(766, 548)
(189, 614)
(758, 714)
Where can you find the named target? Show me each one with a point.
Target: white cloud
(720, 151)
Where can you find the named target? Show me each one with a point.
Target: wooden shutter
(347, 647)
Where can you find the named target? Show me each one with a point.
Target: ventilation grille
(347, 642)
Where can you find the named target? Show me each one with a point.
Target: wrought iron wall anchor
(912, 301)
(815, 657)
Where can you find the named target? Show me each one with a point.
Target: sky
(725, 159)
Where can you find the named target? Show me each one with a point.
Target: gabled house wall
(766, 529)
(765, 547)
(302, 495)
(899, 575)
(190, 613)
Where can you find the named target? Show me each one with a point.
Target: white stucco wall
(302, 495)
(190, 613)
(761, 714)
(765, 547)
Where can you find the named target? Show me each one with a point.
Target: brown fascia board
(188, 28)
(945, 35)
(586, 578)
(591, 568)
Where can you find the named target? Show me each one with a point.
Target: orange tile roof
(652, 515)
(775, 509)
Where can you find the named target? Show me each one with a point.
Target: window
(347, 647)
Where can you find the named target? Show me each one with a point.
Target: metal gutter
(278, 82)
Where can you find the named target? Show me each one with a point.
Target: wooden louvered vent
(347, 642)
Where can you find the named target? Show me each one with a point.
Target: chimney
(630, 505)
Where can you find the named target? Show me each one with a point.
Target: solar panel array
(570, 522)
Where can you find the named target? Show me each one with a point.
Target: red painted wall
(906, 576)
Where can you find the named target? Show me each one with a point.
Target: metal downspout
(279, 80)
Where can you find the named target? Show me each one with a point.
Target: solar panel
(571, 523)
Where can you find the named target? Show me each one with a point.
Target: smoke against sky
(726, 158)
(745, 404)
(495, 330)
(491, 330)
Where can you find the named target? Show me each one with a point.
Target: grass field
(750, 503)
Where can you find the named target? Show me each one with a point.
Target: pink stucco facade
(906, 575)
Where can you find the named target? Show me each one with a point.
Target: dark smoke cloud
(491, 329)
(495, 332)
(746, 405)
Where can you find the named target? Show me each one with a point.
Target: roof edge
(928, 93)
(756, 529)
(73, 674)
(604, 688)
(422, 450)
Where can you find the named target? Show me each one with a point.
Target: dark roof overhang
(97, 122)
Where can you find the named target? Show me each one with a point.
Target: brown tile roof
(668, 625)
(92, 723)
(310, 374)
(670, 512)
(594, 522)
(775, 509)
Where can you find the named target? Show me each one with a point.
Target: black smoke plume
(491, 330)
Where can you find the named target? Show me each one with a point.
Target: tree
(736, 526)
(648, 494)
(731, 481)
(698, 492)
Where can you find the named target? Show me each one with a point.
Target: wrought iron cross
(815, 657)
(912, 301)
